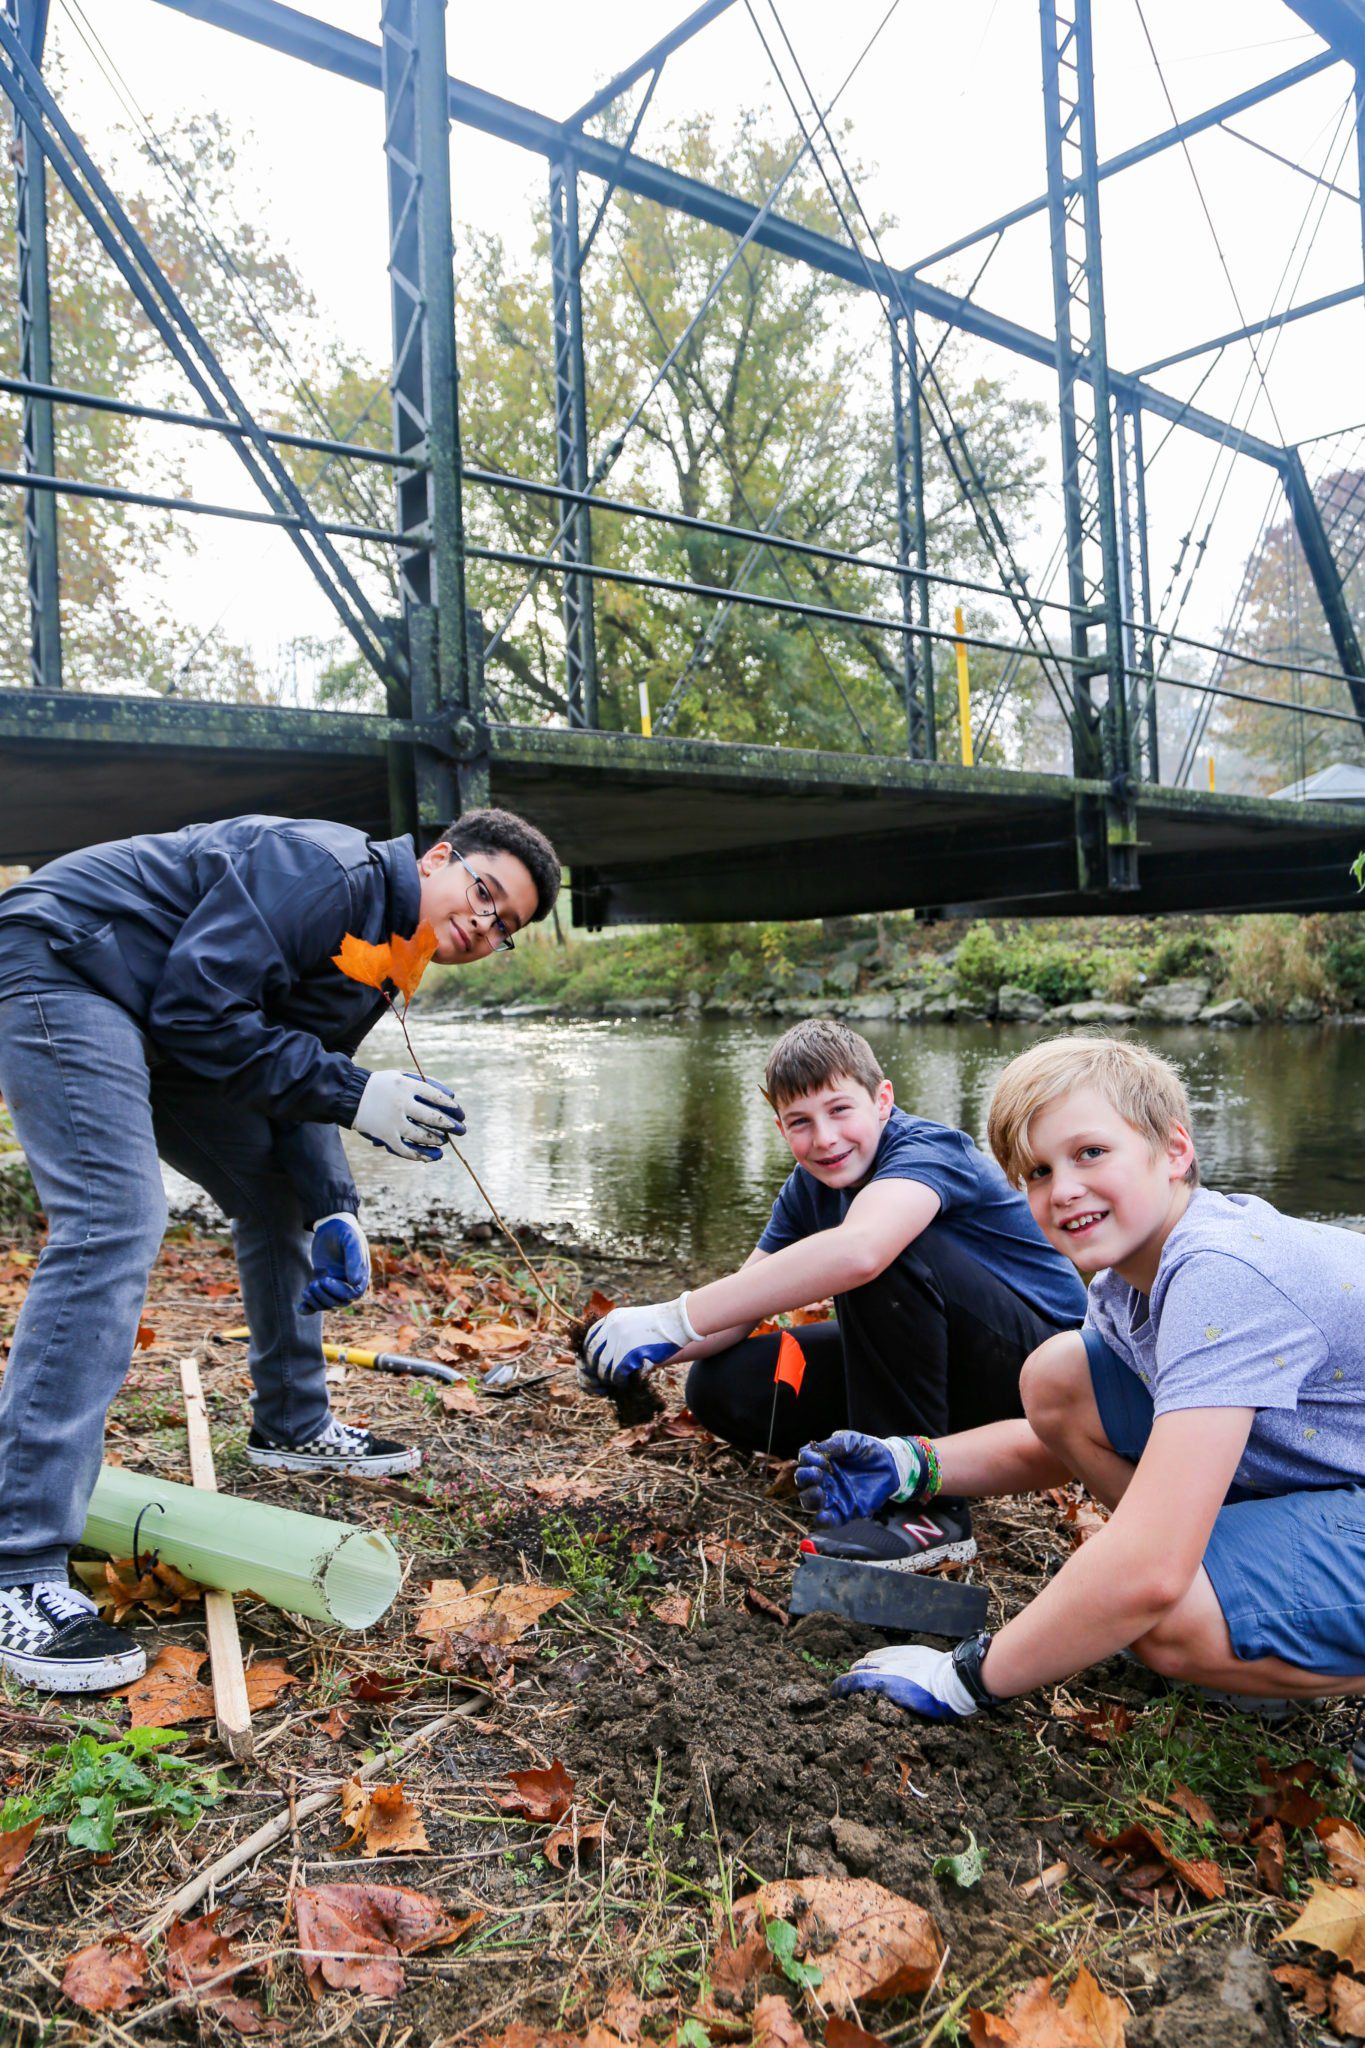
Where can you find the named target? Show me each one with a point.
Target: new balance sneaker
(337, 1448)
(51, 1636)
(903, 1538)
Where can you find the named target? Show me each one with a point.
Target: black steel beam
(652, 58)
(1272, 320)
(1322, 567)
(1212, 117)
(299, 35)
(1339, 22)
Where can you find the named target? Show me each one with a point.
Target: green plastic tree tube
(305, 1564)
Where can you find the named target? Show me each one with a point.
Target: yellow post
(646, 722)
(1211, 781)
(964, 692)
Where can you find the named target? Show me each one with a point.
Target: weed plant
(95, 1786)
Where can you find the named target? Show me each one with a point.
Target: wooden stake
(232, 1708)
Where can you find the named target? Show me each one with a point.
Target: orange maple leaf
(402, 961)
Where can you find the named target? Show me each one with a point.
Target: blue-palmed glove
(341, 1265)
(630, 1340)
(924, 1681)
(850, 1474)
(407, 1115)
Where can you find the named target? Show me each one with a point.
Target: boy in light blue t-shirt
(1214, 1400)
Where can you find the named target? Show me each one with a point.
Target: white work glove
(915, 1677)
(408, 1116)
(341, 1264)
(630, 1340)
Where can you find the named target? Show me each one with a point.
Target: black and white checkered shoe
(51, 1636)
(337, 1448)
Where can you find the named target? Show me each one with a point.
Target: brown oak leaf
(109, 1976)
(351, 1936)
(13, 1849)
(169, 1692)
(539, 1795)
(869, 1944)
(1334, 1919)
(1090, 2018)
(201, 1960)
(1344, 1846)
(388, 1823)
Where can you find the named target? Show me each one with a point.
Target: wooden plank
(232, 1708)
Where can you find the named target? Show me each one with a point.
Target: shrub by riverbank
(1173, 970)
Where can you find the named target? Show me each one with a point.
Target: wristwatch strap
(967, 1662)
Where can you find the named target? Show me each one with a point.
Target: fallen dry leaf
(196, 1954)
(389, 1823)
(673, 1608)
(1033, 2019)
(572, 1837)
(402, 961)
(1140, 1844)
(477, 1627)
(115, 1587)
(378, 1689)
(1268, 1837)
(1346, 2006)
(169, 1691)
(843, 2034)
(481, 1338)
(461, 1400)
(109, 1976)
(1286, 1798)
(352, 1935)
(539, 1795)
(1196, 1809)
(1303, 1983)
(869, 1944)
(1344, 1846)
(145, 1338)
(266, 1679)
(13, 1849)
(336, 1724)
(563, 1487)
(776, 2025)
(1334, 1919)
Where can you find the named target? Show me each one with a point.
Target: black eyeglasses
(479, 897)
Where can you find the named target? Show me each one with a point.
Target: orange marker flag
(791, 1363)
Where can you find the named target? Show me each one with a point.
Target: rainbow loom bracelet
(930, 1457)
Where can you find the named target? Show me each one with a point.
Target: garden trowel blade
(886, 1598)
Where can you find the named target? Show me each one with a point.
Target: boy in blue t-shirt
(1214, 1400)
(942, 1285)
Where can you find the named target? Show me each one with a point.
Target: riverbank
(1092, 972)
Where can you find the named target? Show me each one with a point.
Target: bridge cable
(614, 448)
(705, 645)
(997, 540)
(219, 252)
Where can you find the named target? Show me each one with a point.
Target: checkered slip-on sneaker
(51, 1636)
(339, 1448)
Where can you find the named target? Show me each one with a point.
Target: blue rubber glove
(921, 1680)
(850, 1474)
(408, 1116)
(341, 1265)
(630, 1340)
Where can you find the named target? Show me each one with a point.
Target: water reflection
(655, 1132)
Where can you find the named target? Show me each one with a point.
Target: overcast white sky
(947, 111)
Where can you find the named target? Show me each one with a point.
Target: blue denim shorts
(1288, 1568)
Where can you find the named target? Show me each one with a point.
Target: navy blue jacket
(219, 940)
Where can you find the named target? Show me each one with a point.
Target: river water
(650, 1134)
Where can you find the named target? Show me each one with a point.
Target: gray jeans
(92, 1116)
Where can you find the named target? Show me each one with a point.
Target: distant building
(1343, 782)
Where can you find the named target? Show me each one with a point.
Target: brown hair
(1146, 1091)
(814, 1053)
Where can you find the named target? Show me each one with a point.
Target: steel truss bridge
(666, 828)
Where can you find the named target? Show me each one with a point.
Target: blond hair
(1146, 1091)
(814, 1053)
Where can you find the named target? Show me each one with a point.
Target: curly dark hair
(495, 831)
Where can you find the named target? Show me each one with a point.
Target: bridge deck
(672, 829)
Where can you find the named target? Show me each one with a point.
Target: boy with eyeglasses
(175, 995)
(942, 1285)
